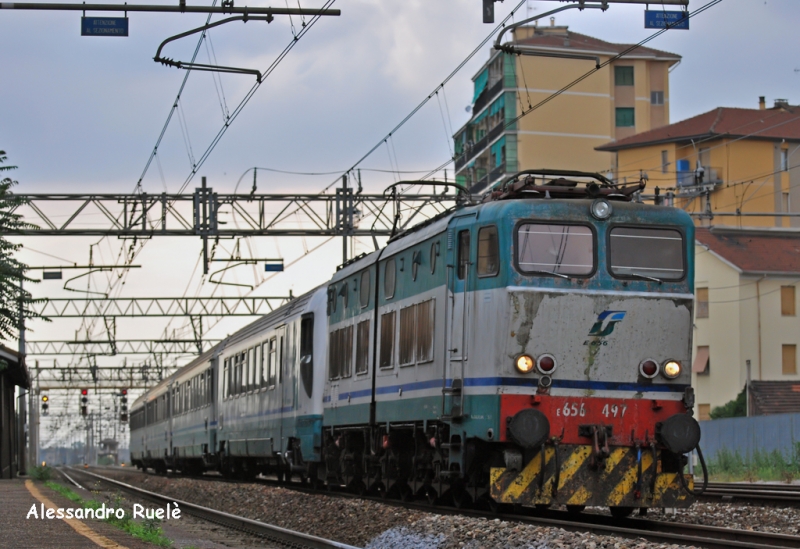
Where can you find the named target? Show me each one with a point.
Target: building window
(625, 117)
(701, 300)
(664, 161)
(786, 202)
(704, 412)
(488, 252)
(787, 301)
(387, 340)
(657, 98)
(623, 76)
(789, 359)
(784, 160)
(702, 361)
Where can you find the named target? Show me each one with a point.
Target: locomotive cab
(587, 327)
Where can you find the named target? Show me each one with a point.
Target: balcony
(691, 182)
(471, 151)
(483, 183)
(487, 96)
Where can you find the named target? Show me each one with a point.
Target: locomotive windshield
(646, 253)
(555, 249)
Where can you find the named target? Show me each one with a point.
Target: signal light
(546, 364)
(84, 402)
(45, 405)
(648, 368)
(123, 392)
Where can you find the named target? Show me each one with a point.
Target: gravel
(376, 526)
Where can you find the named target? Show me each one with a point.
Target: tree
(734, 408)
(12, 271)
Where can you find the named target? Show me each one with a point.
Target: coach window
(555, 249)
(389, 279)
(407, 345)
(387, 340)
(488, 252)
(645, 253)
(272, 362)
(252, 377)
(463, 254)
(345, 293)
(434, 255)
(363, 296)
(362, 347)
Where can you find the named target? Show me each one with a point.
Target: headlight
(546, 364)
(648, 368)
(672, 369)
(524, 364)
(601, 209)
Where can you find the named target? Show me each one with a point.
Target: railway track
(710, 537)
(274, 534)
(780, 494)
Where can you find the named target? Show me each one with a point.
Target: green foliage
(11, 270)
(41, 473)
(735, 408)
(762, 465)
(147, 530)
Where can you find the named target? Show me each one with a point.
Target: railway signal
(45, 404)
(123, 405)
(84, 402)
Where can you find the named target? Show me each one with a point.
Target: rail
(268, 531)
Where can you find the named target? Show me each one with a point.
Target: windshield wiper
(645, 277)
(536, 271)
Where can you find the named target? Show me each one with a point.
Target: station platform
(18, 532)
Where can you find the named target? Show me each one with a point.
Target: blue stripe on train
(516, 382)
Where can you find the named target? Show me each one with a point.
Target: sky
(82, 114)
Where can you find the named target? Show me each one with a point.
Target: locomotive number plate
(578, 408)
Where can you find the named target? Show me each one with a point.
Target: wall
(744, 434)
(721, 332)
(564, 132)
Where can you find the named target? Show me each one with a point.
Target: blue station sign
(654, 19)
(104, 26)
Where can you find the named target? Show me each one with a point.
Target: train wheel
(620, 512)
(358, 487)
(461, 498)
(404, 492)
(429, 494)
(575, 509)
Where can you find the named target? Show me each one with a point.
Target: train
(531, 346)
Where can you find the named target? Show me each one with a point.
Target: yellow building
(629, 96)
(728, 166)
(746, 313)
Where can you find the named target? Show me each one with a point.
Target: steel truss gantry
(118, 347)
(140, 307)
(212, 215)
(100, 377)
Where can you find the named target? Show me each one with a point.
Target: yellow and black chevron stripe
(614, 484)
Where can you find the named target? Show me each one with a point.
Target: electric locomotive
(530, 349)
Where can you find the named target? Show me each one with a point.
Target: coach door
(458, 262)
(285, 385)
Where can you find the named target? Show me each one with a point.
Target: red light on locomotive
(649, 368)
(546, 364)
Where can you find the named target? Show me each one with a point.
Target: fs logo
(606, 322)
